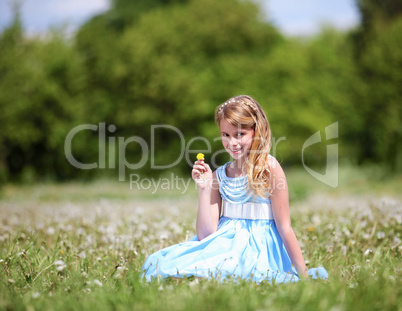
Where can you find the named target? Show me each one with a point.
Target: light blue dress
(241, 247)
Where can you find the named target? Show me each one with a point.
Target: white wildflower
(35, 295)
(176, 228)
(60, 265)
(11, 281)
(59, 262)
(316, 220)
(330, 226)
(353, 285)
(164, 235)
(50, 231)
(89, 240)
(194, 283)
(344, 249)
(98, 283)
(68, 228)
(82, 255)
(143, 227)
(119, 270)
(380, 235)
(80, 231)
(336, 308)
(396, 241)
(346, 231)
(368, 251)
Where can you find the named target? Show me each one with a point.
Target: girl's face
(236, 141)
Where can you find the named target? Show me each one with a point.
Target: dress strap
(249, 210)
(220, 172)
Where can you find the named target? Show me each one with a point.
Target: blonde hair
(244, 112)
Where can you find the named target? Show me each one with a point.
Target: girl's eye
(227, 135)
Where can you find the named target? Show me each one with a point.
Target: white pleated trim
(247, 210)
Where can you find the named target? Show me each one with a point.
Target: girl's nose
(234, 142)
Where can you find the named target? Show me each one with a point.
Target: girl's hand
(202, 174)
(303, 274)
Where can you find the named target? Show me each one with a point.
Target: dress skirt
(240, 248)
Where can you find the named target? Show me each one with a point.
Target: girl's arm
(280, 209)
(209, 199)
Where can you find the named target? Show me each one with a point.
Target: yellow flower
(62, 252)
(310, 229)
(200, 156)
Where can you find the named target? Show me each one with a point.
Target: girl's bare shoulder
(272, 162)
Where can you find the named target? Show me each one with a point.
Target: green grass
(103, 231)
(365, 181)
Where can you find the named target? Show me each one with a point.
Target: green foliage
(41, 85)
(378, 51)
(172, 62)
(156, 72)
(384, 54)
(374, 11)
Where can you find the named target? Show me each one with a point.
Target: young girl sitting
(243, 223)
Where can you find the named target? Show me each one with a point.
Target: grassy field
(81, 246)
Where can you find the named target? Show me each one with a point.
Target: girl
(243, 223)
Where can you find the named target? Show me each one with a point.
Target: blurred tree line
(150, 62)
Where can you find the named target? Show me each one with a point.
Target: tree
(375, 11)
(40, 88)
(378, 58)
